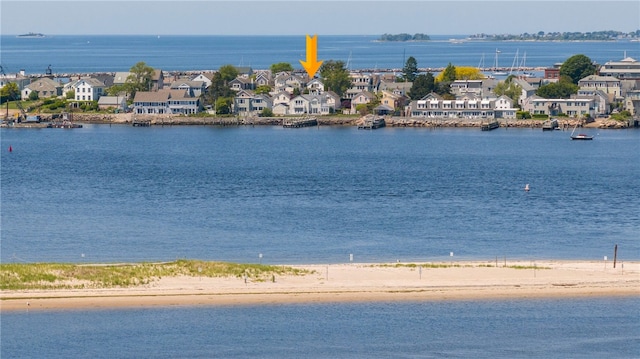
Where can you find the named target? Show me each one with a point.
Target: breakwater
(390, 121)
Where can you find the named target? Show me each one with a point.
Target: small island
(404, 37)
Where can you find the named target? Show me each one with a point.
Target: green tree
(10, 92)
(33, 96)
(561, 89)
(266, 112)
(577, 67)
(223, 105)
(218, 88)
(410, 69)
(71, 95)
(422, 85)
(281, 67)
(140, 78)
(510, 89)
(449, 74)
(228, 72)
(263, 89)
(335, 76)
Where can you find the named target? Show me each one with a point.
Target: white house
(88, 89)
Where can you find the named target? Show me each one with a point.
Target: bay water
(317, 195)
(109, 53)
(579, 328)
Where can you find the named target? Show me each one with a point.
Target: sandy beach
(356, 282)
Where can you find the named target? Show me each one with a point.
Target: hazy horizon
(322, 17)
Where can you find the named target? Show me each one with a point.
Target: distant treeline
(404, 37)
(563, 36)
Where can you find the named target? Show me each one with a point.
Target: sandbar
(355, 282)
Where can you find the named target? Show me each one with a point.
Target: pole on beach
(615, 255)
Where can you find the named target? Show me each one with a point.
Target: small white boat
(526, 187)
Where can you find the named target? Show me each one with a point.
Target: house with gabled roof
(44, 87)
(166, 101)
(242, 83)
(112, 102)
(393, 101)
(248, 102)
(433, 105)
(286, 81)
(157, 80)
(315, 86)
(572, 107)
(193, 88)
(88, 89)
(363, 97)
(607, 84)
(120, 77)
(206, 77)
(263, 78)
(397, 88)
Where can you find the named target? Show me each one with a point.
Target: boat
(31, 35)
(492, 125)
(372, 124)
(580, 136)
(497, 71)
(526, 188)
(550, 125)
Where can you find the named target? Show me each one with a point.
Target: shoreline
(355, 282)
(566, 124)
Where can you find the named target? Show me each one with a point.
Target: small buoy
(10, 149)
(526, 188)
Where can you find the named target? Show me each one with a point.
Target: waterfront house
(632, 102)
(88, 89)
(165, 101)
(118, 103)
(312, 105)
(527, 90)
(572, 107)
(44, 87)
(362, 98)
(391, 102)
(433, 105)
(601, 100)
(248, 103)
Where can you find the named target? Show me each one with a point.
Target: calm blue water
(593, 328)
(119, 193)
(80, 54)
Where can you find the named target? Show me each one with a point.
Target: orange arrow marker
(312, 64)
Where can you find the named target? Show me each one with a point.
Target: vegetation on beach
(22, 276)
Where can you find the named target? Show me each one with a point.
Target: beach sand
(356, 282)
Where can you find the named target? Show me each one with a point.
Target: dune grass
(22, 276)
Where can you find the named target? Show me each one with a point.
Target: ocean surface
(316, 195)
(83, 54)
(579, 328)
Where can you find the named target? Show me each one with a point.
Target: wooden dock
(298, 123)
(372, 124)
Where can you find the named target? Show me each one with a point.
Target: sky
(347, 17)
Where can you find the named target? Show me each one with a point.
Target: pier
(298, 123)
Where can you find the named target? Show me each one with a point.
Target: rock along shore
(391, 121)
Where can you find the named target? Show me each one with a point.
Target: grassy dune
(23, 276)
